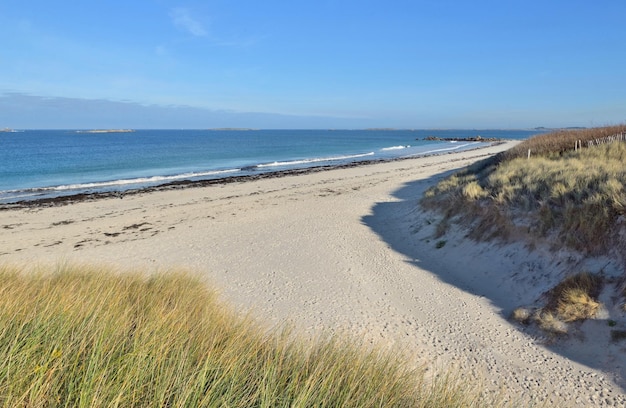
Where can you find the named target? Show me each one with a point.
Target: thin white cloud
(183, 20)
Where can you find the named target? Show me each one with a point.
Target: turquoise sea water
(46, 163)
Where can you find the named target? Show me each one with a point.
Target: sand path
(340, 250)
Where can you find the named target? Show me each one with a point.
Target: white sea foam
(123, 182)
(394, 148)
(315, 160)
(446, 149)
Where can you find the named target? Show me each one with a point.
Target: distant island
(8, 130)
(232, 129)
(106, 131)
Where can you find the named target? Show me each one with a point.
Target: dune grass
(89, 337)
(571, 197)
(570, 193)
(562, 141)
(573, 299)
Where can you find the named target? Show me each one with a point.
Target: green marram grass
(90, 337)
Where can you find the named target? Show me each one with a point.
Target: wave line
(316, 160)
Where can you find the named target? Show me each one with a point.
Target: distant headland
(232, 129)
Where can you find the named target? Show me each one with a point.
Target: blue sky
(313, 64)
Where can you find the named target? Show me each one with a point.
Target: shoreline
(68, 199)
(344, 251)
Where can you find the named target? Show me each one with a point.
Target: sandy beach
(345, 250)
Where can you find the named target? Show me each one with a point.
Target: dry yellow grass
(576, 304)
(562, 141)
(573, 299)
(575, 198)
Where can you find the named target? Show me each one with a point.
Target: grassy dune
(575, 197)
(563, 141)
(569, 193)
(90, 337)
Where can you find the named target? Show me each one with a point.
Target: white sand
(343, 250)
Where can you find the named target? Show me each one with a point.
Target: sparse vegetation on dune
(573, 299)
(576, 197)
(562, 141)
(570, 193)
(90, 337)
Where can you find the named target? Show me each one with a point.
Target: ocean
(37, 164)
